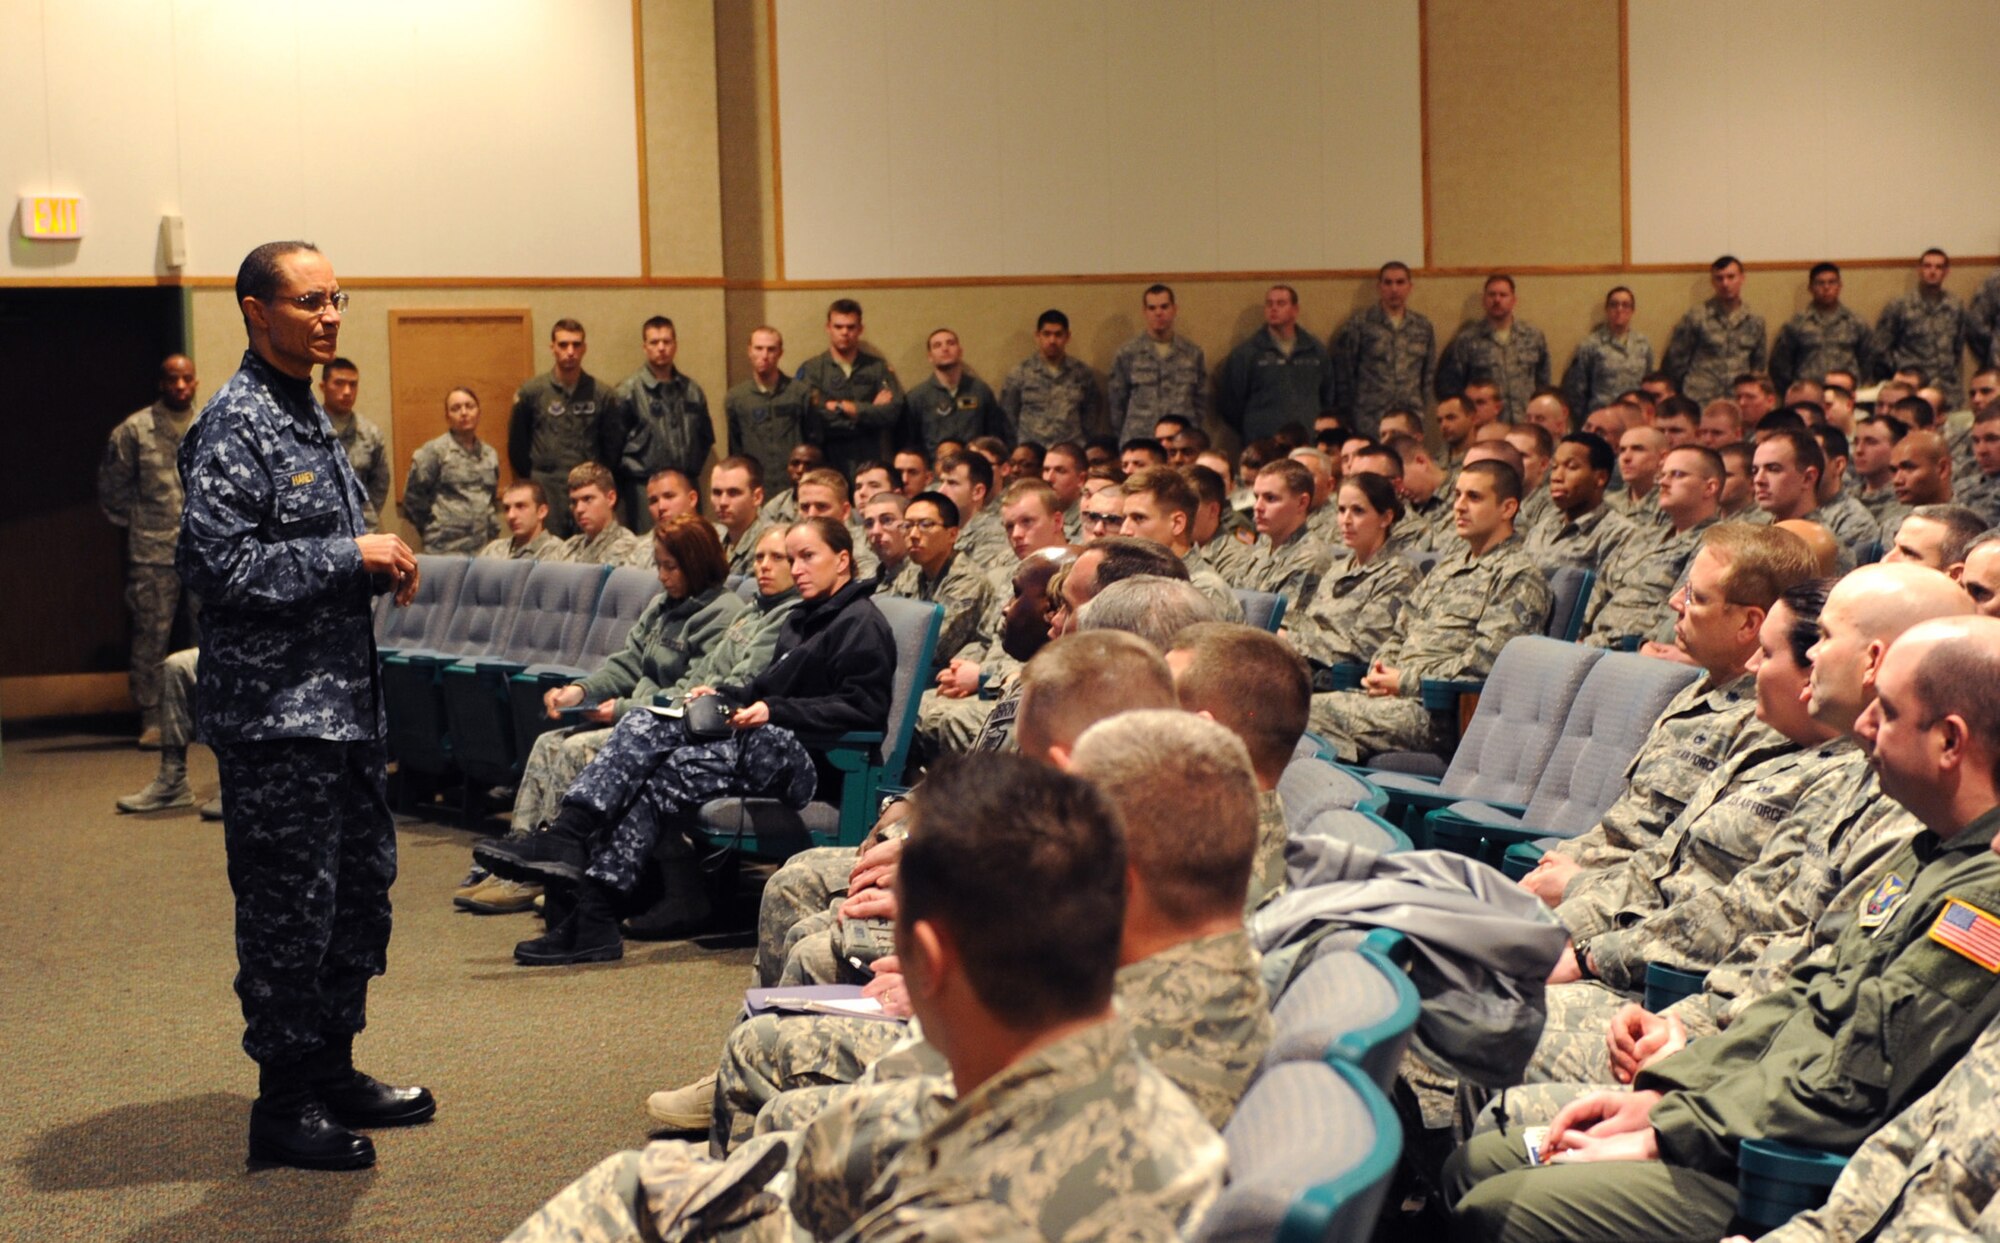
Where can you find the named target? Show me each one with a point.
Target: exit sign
(46, 219)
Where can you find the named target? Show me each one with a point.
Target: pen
(860, 966)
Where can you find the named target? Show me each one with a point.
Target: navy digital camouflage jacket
(267, 541)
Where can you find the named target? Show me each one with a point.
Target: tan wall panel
(748, 161)
(684, 186)
(611, 316)
(1524, 132)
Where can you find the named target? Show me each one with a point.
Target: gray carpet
(127, 1091)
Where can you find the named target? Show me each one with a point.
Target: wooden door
(431, 352)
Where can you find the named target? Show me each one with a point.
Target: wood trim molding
(777, 151)
(64, 694)
(639, 117)
(972, 282)
(1624, 132)
(1424, 116)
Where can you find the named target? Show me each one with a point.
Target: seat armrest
(1441, 695)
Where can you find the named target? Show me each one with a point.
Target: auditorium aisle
(127, 1090)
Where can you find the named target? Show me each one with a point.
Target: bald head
(1081, 679)
(1933, 733)
(1819, 541)
(1920, 469)
(1866, 612)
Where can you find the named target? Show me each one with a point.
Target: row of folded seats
(465, 664)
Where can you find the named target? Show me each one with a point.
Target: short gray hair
(1184, 787)
(1961, 527)
(1154, 608)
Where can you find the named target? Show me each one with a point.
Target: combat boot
(158, 796)
(689, 1108)
(212, 810)
(588, 931)
(559, 850)
(499, 897)
(290, 1125)
(359, 1100)
(684, 908)
(558, 929)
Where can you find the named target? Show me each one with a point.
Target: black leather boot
(359, 1100)
(590, 934)
(558, 928)
(684, 908)
(290, 1125)
(560, 851)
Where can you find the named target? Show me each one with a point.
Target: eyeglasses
(1103, 519)
(316, 302)
(924, 524)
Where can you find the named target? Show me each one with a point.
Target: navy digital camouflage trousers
(312, 853)
(649, 778)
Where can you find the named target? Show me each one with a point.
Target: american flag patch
(1967, 930)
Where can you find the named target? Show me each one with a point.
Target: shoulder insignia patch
(303, 478)
(1883, 900)
(1967, 930)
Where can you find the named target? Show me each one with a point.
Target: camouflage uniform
(1267, 866)
(1228, 556)
(1722, 876)
(1519, 365)
(671, 649)
(1980, 494)
(613, 545)
(741, 552)
(1814, 342)
(1702, 727)
(649, 775)
(177, 676)
(1379, 364)
(1211, 585)
(658, 425)
(865, 437)
(1711, 347)
(962, 591)
(368, 454)
(937, 414)
(540, 547)
(1933, 1168)
(1147, 383)
(1848, 863)
(139, 488)
(1604, 366)
(1851, 1040)
(1197, 1010)
(984, 540)
(1535, 508)
(288, 698)
(1926, 331)
(1355, 611)
(552, 429)
(1457, 621)
(1982, 323)
(1636, 580)
(1291, 570)
(767, 424)
(1640, 510)
(1586, 542)
(449, 495)
(1262, 387)
(1849, 522)
(781, 508)
(1880, 502)
(1081, 1139)
(1048, 407)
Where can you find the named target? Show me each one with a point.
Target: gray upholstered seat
(422, 621)
(1615, 710)
(1306, 1127)
(1262, 609)
(1521, 713)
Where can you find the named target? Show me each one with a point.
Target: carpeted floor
(126, 1091)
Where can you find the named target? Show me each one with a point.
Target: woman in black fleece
(833, 671)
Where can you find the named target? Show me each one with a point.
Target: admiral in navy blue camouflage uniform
(288, 698)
